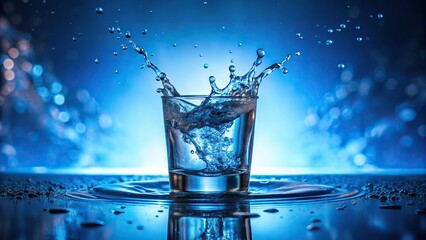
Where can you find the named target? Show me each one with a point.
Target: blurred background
(75, 95)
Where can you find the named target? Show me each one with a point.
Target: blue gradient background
(392, 48)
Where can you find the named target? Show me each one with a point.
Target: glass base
(182, 183)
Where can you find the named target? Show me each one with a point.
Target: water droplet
(232, 68)
(341, 65)
(380, 15)
(111, 29)
(312, 227)
(92, 224)
(271, 210)
(329, 42)
(99, 10)
(174, 45)
(139, 227)
(358, 27)
(74, 39)
(162, 76)
(195, 46)
(152, 54)
(240, 44)
(297, 53)
(145, 31)
(298, 34)
(128, 34)
(96, 61)
(338, 30)
(118, 29)
(285, 70)
(230, 51)
(116, 71)
(342, 25)
(58, 211)
(206, 65)
(142, 66)
(330, 30)
(260, 52)
(205, 3)
(116, 212)
(232, 60)
(359, 39)
(123, 47)
(192, 151)
(115, 53)
(201, 55)
(223, 27)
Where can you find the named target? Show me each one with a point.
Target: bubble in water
(96, 61)
(380, 15)
(297, 53)
(99, 10)
(285, 70)
(116, 71)
(342, 25)
(359, 39)
(260, 52)
(174, 45)
(128, 34)
(145, 31)
(115, 53)
(111, 30)
(240, 44)
(206, 65)
(330, 30)
(358, 27)
(212, 79)
(341, 65)
(329, 42)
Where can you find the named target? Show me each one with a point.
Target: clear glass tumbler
(209, 143)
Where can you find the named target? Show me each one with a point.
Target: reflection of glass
(209, 222)
(209, 142)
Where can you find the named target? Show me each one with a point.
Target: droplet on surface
(74, 39)
(99, 10)
(58, 211)
(116, 71)
(92, 224)
(358, 27)
(117, 212)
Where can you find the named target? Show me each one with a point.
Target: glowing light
(37, 70)
(64, 117)
(59, 99)
(9, 75)
(360, 159)
(105, 121)
(8, 63)
(13, 52)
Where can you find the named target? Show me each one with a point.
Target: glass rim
(208, 96)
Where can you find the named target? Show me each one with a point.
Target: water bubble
(74, 39)
(359, 39)
(96, 61)
(297, 53)
(206, 65)
(116, 71)
(174, 45)
(145, 31)
(380, 15)
(329, 42)
(358, 27)
(260, 52)
(123, 47)
(115, 53)
(152, 54)
(341, 65)
(212, 79)
(232, 68)
(111, 29)
(99, 10)
(240, 44)
(342, 25)
(118, 29)
(330, 30)
(128, 34)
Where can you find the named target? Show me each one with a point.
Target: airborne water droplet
(380, 15)
(174, 45)
(116, 71)
(74, 39)
(115, 53)
(195, 46)
(358, 27)
(285, 70)
(329, 42)
(342, 25)
(111, 29)
(297, 53)
(212, 79)
(128, 34)
(359, 39)
(123, 47)
(145, 31)
(96, 61)
(206, 65)
(240, 44)
(330, 30)
(232, 68)
(341, 65)
(99, 10)
(260, 52)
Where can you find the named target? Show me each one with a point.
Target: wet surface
(38, 207)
